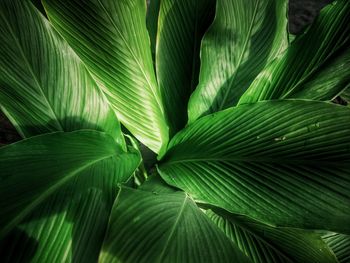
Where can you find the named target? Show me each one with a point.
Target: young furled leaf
(181, 26)
(244, 37)
(310, 71)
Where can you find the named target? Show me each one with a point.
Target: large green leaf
(340, 244)
(244, 37)
(163, 227)
(57, 190)
(112, 39)
(44, 86)
(286, 163)
(315, 66)
(181, 26)
(263, 243)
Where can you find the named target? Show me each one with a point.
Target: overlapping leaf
(181, 26)
(345, 95)
(340, 244)
(244, 37)
(285, 163)
(263, 243)
(57, 190)
(44, 86)
(315, 66)
(112, 39)
(164, 227)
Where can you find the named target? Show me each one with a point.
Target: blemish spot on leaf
(280, 139)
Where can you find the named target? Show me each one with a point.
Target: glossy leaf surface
(181, 26)
(315, 66)
(244, 37)
(285, 163)
(62, 190)
(163, 227)
(112, 40)
(44, 87)
(340, 245)
(263, 243)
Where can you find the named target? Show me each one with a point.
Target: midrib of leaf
(31, 72)
(257, 236)
(50, 190)
(227, 91)
(173, 229)
(133, 55)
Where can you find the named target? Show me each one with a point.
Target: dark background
(300, 14)
(303, 12)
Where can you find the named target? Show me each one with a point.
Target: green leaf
(340, 244)
(263, 243)
(112, 40)
(345, 95)
(61, 186)
(285, 163)
(244, 37)
(181, 26)
(44, 85)
(316, 64)
(156, 185)
(152, 23)
(163, 227)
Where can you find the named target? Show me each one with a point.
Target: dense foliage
(253, 158)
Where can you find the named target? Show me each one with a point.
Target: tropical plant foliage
(253, 158)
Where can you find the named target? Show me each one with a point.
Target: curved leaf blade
(44, 85)
(340, 245)
(284, 163)
(77, 215)
(243, 38)
(147, 227)
(112, 40)
(345, 95)
(181, 26)
(263, 243)
(34, 169)
(316, 64)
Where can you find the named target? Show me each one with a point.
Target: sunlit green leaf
(112, 39)
(263, 243)
(164, 227)
(286, 163)
(245, 36)
(44, 86)
(315, 66)
(57, 190)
